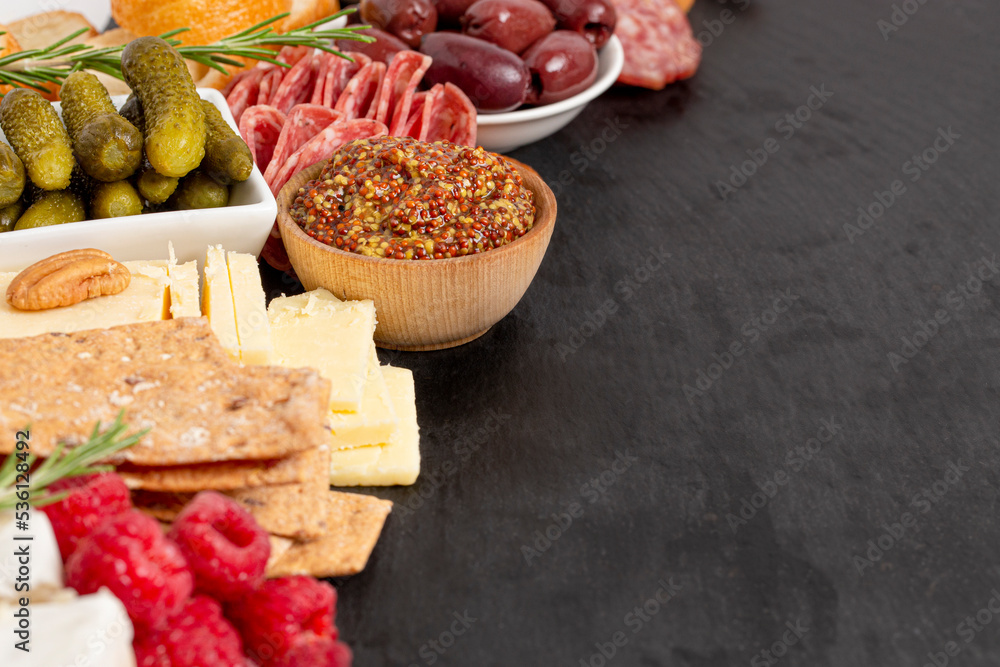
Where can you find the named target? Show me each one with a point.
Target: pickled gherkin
(113, 200)
(175, 122)
(199, 190)
(227, 156)
(38, 137)
(153, 186)
(9, 215)
(53, 208)
(108, 147)
(11, 176)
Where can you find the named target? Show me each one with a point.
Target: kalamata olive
(407, 19)
(562, 64)
(513, 24)
(450, 11)
(382, 49)
(494, 78)
(594, 19)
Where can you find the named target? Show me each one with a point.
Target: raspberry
(225, 548)
(130, 555)
(314, 652)
(196, 636)
(91, 499)
(283, 612)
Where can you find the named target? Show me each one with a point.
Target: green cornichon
(199, 190)
(114, 200)
(38, 137)
(227, 157)
(153, 186)
(9, 215)
(11, 176)
(53, 208)
(108, 147)
(175, 122)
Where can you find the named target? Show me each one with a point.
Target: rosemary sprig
(63, 464)
(37, 68)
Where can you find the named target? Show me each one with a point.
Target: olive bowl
(424, 304)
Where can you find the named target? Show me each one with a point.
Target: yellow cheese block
(217, 301)
(185, 300)
(375, 422)
(318, 330)
(396, 462)
(252, 327)
(145, 299)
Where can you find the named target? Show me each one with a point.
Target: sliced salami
(269, 83)
(244, 92)
(400, 82)
(449, 115)
(304, 122)
(293, 54)
(361, 93)
(659, 45)
(414, 122)
(339, 75)
(323, 144)
(260, 127)
(296, 85)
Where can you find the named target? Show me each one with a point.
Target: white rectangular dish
(242, 226)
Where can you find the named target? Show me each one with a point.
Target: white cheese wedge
(376, 420)
(145, 299)
(396, 462)
(217, 301)
(185, 298)
(252, 326)
(318, 330)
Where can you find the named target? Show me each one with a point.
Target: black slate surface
(821, 438)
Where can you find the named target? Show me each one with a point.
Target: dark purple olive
(513, 24)
(382, 49)
(450, 11)
(407, 19)
(494, 79)
(594, 19)
(562, 64)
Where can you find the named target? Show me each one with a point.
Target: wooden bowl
(424, 304)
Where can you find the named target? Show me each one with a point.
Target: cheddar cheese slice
(252, 327)
(217, 301)
(376, 420)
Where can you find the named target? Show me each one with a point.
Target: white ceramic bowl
(242, 226)
(503, 132)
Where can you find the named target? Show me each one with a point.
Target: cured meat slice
(340, 75)
(244, 92)
(361, 94)
(304, 122)
(296, 85)
(414, 122)
(269, 83)
(293, 54)
(659, 45)
(449, 115)
(239, 76)
(323, 144)
(260, 127)
(400, 82)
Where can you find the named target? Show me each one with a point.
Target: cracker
(222, 476)
(354, 523)
(170, 376)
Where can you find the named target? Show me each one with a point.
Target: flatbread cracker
(354, 523)
(170, 376)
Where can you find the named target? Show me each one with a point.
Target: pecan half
(67, 278)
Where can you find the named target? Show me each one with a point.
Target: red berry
(225, 548)
(91, 500)
(314, 652)
(130, 555)
(196, 636)
(281, 613)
